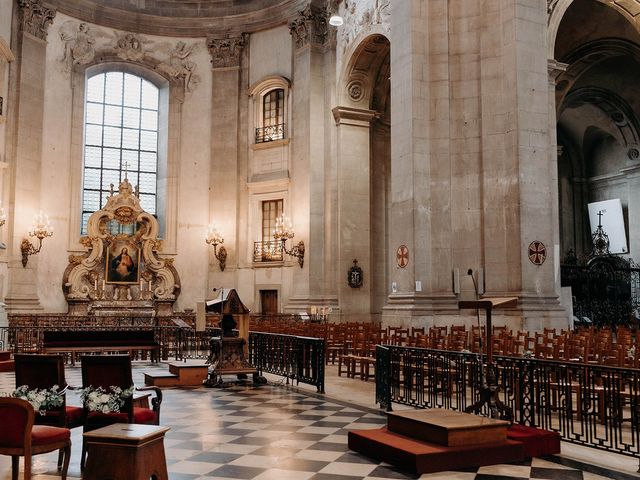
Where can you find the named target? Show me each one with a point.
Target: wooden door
(269, 302)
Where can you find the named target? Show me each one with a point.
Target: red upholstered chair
(20, 438)
(115, 370)
(43, 372)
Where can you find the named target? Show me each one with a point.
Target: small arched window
(272, 116)
(120, 138)
(270, 106)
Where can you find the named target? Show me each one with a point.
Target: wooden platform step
(447, 427)
(423, 457)
(181, 374)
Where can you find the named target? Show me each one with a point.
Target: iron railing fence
(270, 133)
(591, 405)
(267, 251)
(299, 359)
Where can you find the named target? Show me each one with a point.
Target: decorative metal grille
(270, 133)
(267, 251)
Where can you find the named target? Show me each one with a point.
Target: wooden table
(126, 451)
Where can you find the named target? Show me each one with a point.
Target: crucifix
(600, 213)
(126, 169)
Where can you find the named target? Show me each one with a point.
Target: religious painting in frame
(123, 263)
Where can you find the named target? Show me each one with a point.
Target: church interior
(282, 239)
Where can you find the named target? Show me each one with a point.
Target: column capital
(225, 52)
(35, 17)
(361, 117)
(309, 26)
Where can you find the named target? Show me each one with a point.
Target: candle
(141, 285)
(103, 284)
(149, 285)
(95, 284)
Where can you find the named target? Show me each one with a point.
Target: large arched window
(120, 135)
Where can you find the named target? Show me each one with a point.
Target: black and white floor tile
(274, 433)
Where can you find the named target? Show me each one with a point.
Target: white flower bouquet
(105, 401)
(41, 399)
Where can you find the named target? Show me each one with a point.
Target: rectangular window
(271, 210)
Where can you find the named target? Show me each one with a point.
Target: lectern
(489, 386)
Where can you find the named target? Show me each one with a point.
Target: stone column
(519, 187)
(309, 34)
(632, 174)
(411, 186)
(24, 146)
(354, 208)
(226, 59)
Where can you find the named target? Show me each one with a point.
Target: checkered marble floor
(274, 433)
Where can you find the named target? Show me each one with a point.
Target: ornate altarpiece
(153, 285)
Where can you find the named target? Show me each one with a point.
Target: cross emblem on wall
(402, 256)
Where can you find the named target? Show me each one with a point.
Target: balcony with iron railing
(270, 133)
(267, 251)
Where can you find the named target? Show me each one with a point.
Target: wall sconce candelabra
(40, 229)
(214, 238)
(284, 231)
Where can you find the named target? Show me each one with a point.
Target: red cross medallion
(402, 256)
(537, 252)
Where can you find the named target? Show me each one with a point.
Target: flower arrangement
(105, 401)
(528, 354)
(41, 400)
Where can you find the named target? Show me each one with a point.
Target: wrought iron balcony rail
(267, 251)
(270, 133)
(590, 405)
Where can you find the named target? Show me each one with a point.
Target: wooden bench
(100, 341)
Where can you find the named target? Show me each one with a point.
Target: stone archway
(598, 43)
(364, 156)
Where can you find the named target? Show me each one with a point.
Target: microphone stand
(489, 385)
(480, 354)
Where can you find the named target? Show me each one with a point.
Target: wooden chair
(43, 372)
(106, 371)
(20, 438)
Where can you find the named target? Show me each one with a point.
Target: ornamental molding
(35, 17)
(362, 17)
(310, 26)
(226, 52)
(85, 278)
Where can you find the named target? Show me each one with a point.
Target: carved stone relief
(310, 26)
(79, 45)
(129, 46)
(225, 52)
(35, 17)
(359, 17)
(179, 66)
(84, 43)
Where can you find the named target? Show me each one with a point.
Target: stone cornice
(35, 17)
(310, 26)
(354, 116)
(212, 22)
(226, 52)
